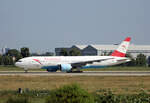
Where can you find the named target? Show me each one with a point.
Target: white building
(5, 50)
(134, 50)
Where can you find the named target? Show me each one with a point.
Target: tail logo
(122, 49)
(124, 46)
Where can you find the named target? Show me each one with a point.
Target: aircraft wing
(83, 63)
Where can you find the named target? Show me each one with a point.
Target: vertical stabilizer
(122, 49)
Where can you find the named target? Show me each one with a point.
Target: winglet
(122, 49)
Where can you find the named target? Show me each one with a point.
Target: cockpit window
(19, 61)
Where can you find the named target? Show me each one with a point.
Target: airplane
(69, 63)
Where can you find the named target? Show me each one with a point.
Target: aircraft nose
(17, 64)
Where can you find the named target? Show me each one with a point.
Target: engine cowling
(65, 67)
(51, 70)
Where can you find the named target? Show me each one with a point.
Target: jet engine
(65, 67)
(51, 70)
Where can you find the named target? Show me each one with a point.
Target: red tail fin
(122, 49)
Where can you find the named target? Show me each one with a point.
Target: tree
(132, 62)
(17, 99)
(74, 52)
(25, 52)
(105, 53)
(0, 60)
(64, 52)
(70, 94)
(148, 61)
(7, 60)
(49, 54)
(14, 53)
(141, 60)
(109, 53)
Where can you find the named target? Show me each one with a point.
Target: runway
(85, 73)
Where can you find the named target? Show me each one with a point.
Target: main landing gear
(75, 71)
(26, 70)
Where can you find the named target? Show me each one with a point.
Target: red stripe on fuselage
(37, 61)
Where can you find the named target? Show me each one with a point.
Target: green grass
(10, 68)
(119, 68)
(14, 68)
(115, 68)
(123, 85)
(118, 84)
(32, 100)
(72, 91)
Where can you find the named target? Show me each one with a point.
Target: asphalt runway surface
(85, 73)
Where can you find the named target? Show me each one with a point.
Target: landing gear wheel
(77, 71)
(69, 71)
(26, 70)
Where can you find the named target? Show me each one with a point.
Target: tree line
(71, 52)
(140, 60)
(14, 55)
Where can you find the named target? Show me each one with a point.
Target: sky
(43, 25)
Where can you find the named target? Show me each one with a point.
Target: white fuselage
(48, 61)
(67, 63)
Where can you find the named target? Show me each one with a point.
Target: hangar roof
(80, 46)
(113, 47)
(104, 47)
